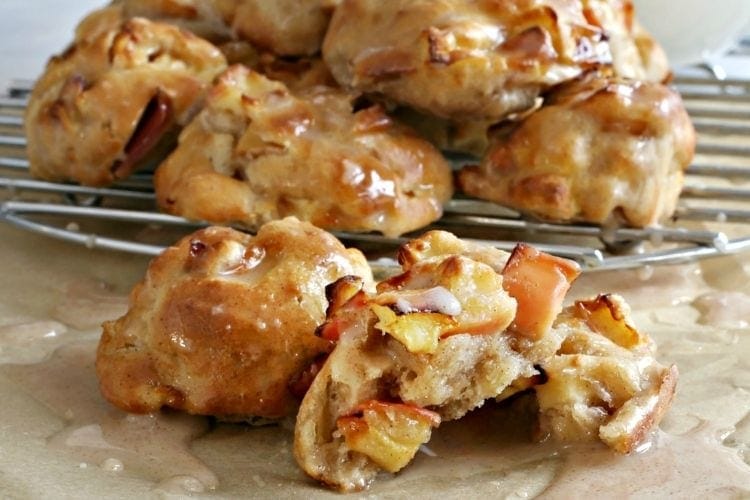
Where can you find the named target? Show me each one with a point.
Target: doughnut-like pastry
(257, 152)
(461, 59)
(114, 97)
(223, 323)
(464, 323)
(635, 54)
(599, 149)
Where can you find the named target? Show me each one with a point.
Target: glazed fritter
(258, 152)
(461, 59)
(600, 149)
(114, 97)
(223, 323)
(462, 324)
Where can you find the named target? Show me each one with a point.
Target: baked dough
(600, 149)
(223, 323)
(257, 152)
(108, 101)
(461, 59)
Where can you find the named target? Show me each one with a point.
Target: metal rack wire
(713, 217)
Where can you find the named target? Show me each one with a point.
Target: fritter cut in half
(258, 152)
(600, 150)
(223, 323)
(115, 96)
(461, 325)
(461, 59)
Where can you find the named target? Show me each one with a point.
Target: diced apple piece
(607, 315)
(388, 433)
(418, 332)
(345, 298)
(539, 282)
(341, 291)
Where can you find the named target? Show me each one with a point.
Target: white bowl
(693, 31)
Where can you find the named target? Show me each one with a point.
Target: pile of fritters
(334, 110)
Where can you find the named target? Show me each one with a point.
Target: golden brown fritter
(464, 323)
(599, 149)
(105, 104)
(257, 152)
(462, 59)
(635, 54)
(223, 323)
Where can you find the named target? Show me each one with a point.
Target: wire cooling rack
(713, 217)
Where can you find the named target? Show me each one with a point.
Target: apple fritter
(429, 346)
(114, 97)
(600, 150)
(284, 27)
(223, 323)
(604, 382)
(459, 59)
(259, 152)
(464, 323)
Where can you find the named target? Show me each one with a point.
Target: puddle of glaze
(694, 465)
(724, 309)
(28, 341)
(85, 305)
(154, 446)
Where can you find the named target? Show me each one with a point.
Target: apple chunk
(539, 282)
(608, 315)
(419, 332)
(346, 297)
(388, 433)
